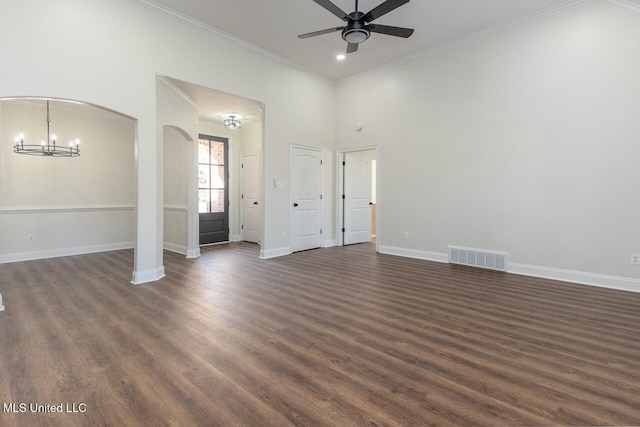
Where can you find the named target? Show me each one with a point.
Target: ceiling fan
(359, 26)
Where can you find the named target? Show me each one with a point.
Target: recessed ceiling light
(341, 57)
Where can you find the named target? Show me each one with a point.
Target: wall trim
(329, 243)
(56, 253)
(480, 34)
(571, 276)
(275, 253)
(169, 84)
(172, 247)
(140, 277)
(176, 208)
(580, 277)
(21, 210)
(193, 253)
(213, 30)
(413, 253)
(1, 306)
(626, 4)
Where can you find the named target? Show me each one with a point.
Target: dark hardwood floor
(332, 337)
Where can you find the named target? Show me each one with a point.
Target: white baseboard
(55, 253)
(274, 253)
(147, 276)
(579, 277)
(172, 247)
(236, 238)
(329, 243)
(193, 253)
(1, 306)
(413, 253)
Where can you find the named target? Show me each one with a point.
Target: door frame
(340, 156)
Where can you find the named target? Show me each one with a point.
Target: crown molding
(626, 4)
(480, 34)
(213, 30)
(169, 84)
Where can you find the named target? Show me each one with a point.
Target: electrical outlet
(30, 238)
(284, 234)
(405, 235)
(635, 259)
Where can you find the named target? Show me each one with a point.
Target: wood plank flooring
(332, 337)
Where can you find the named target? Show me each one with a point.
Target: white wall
(67, 205)
(108, 54)
(525, 140)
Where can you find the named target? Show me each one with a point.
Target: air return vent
(492, 260)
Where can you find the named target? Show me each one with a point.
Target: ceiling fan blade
(333, 9)
(383, 9)
(319, 33)
(352, 47)
(391, 31)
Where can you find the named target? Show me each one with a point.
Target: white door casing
(306, 198)
(250, 198)
(357, 198)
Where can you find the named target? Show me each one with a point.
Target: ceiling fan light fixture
(355, 35)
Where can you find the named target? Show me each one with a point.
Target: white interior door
(306, 196)
(250, 198)
(357, 198)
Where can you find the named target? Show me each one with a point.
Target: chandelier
(232, 123)
(47, 148)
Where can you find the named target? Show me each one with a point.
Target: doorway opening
(357, 196)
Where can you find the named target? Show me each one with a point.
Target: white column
(148, 246)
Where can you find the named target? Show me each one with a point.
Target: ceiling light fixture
(232, 123)
(48, 148)
(357, 32)
(341, 57)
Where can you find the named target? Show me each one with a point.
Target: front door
(213, 194)
(306, 194)
(357, 198)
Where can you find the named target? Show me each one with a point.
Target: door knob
(255, 203)
(295, 205)
(370, 203)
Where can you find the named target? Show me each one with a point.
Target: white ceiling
(273, 26)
